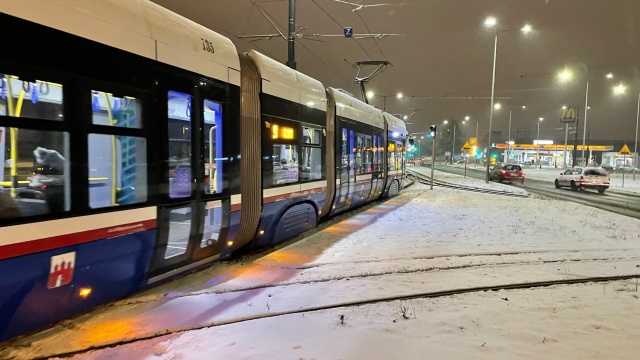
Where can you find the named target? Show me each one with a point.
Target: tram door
(192, 223)
(345, 170)
(377, 180)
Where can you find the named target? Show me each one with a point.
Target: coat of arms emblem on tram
(61, 270)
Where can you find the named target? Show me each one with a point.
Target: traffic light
(432, 131)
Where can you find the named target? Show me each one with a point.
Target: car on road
(581, 178)
(507, 172)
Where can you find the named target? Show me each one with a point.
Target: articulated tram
(138, 145)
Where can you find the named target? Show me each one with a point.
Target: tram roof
(137, 26)
(396, 124)
(281, 81)
(351, 108)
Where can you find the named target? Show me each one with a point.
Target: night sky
(442, 56)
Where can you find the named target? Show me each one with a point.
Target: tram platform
(440, 272)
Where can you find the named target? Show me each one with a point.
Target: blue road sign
(348, 32)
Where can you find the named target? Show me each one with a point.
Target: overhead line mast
(291, 39)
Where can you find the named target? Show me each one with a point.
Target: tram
(139, 145)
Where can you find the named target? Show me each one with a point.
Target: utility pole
(433, 158)
(575, 140)
(453, 147)
(291, 62)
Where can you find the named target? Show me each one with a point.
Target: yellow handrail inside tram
(25, 182)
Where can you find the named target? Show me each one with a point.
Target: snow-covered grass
(293, 303)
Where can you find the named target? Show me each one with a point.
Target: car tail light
(521, 173)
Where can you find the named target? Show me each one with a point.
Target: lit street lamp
(567, 75)
(491, 22)
(475, 155)
(538, 144)
(635, 147)
(454, 124)
(509, 142)
(618, 90)
(371, 94)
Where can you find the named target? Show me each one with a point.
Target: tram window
(376, 153)
(359, 154)
(345, 150)
(367, 155)
(35, 176)
(311, 167)
(110, 110)
(285, 163)
(311, 160)
(311, 136)
(117, 170)
(30, 99)
(212, 223)
(393, 161)
(213, 146)
(179, 161)
(179, 230)
(352, 149)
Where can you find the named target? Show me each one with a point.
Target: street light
(538, 143)
(619, 89)
(491, 22)
(635, 146)
(475, 155)
(371, 94)
(566, 75)
(509, 142)
(454, 124)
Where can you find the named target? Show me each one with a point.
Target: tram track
(372, 274)
(345, 305)
(424, 179)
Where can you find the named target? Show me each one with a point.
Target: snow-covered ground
(310, 299)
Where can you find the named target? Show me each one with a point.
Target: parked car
(580, 178)
(509, 172)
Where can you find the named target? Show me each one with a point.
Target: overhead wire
(374, 39)
(249, 18)
(341, 27)
(265, 13)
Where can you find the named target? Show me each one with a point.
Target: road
(620, 203)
